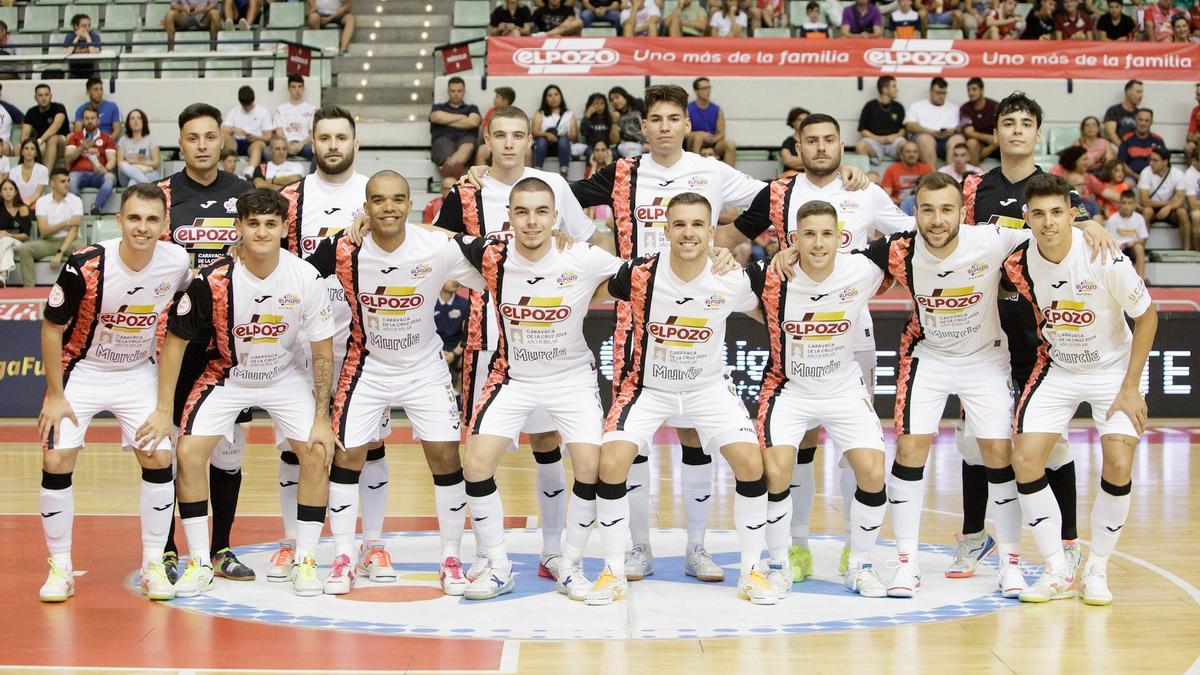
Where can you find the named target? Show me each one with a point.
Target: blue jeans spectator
(612, 16)
(91, 179)
(908, 204)
(131, 175)
(541, 150)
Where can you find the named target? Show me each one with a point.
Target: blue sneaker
(972, 549)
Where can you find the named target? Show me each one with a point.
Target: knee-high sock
(450, 500)
(373, 494)
(1109, 513)
(976, 491)
(779, 524)
(343, 509)
(1002, 492)
(289, 482)
(638, 496)
(849, 485)
(906, 496)
(803, 489)
(612, 512)
(310, 520)
(552, 498)
(57, 502)
(224, 486)
(1062, 484)
(157, 505)
(750, 518)
(581, 516)
(194, 516)
(487, 517)
(1040, 512)
(866, 517)
(697, 474)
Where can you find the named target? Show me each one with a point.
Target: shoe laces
(56, 571)
(283, 556)
(378, 557)
(156, 571)
(452, 568)
(341, 566)
(307, 569)
(904, 561)
(193, 568)
(606, 579)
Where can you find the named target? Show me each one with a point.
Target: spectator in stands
(862, 19)
(278, 172)
(449, 319)
(453, 127)
(932, 123)
(1119, 119)
(688, 20)
(627, 115)
(1039, 22)
(503, 96)
(293, 120)
(1128, 227)
(1072, 23)
(605, 10)
(597, 123)
(767, 14)
(1181, 29)
(110, 114)
(511, 19)
(1001, 22)
(1156, 17)
(46, 123)
(1112, 182)
(434, 207)
(6, 129)
(939, 13)
(229, 161)
(247, 128)
(900, 179)
(30, 176)
(137, 152)
(554, 126)
(789, 150)
(189, 15)
(641, 17)
(81, 40)
(960, 165)
(556, 19)
(1115, 24)
(601, 156)
(708, 124)
(978, 119)
(814, 25)
(58, 217)
(1072, 167)
(325, 13)
(1162, 193)
(8, 71)
(881, 123)
(729, 21)
(1136, 146)
(905, 22)
(1191, 187)
(1193, 129)
(16, 224)
(241, 14)
(1098, 149)
(92, 156)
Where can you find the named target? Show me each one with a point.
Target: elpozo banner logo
(929, 57)
(566, 56)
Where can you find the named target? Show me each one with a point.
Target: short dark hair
(59, 171)
(976, 81)
(820, 118)
(146, 191)
(1070, 156)
(665, 93)
(689, 198)
(1128, 194)
(4, 25)
(507, 93)
(883, 81)
(261, 202)
(1161, 151)
(41, 85)
(1116, 2)
(90, 108)
(295, 77)
(531, 184)
(1144, 110)
(76, 19)
(455, 80)
(696, 82)
(937, 181)
(811, 4)
(938, 82)
(813, 208)
(1130, 84)
(91, 81)
(334, 112)
(196, 111)
(245, 94)
(794, 113)
(508, 112)
(227, 152)
(1047, 185)
(1019, 102)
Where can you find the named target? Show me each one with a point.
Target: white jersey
(296, 120)
(1080, 304)
(541, 307)
(677, 332)
(114, 312)
(1127, 230)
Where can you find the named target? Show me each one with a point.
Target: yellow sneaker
(607, 589)
(60, 584)
(754, 587)
(800, 558)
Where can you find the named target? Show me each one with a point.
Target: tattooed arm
(321, 438)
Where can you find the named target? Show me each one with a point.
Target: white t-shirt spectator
(257, 121)
(724, 24)
(58, 212)
(930, 116)
(327, 7)
(6, 124)
(1127, 230)
(296, 120)
(1161, 188)
(39, 176)
(285, 169)
(1191, 182)
(970, 169)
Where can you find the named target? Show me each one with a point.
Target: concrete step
(388, 97)
(1173, 274)
(388, 50)
(379, 64)
(377, 132)
(411, 35)
(363, 8)
(415, 79)
(421, 20)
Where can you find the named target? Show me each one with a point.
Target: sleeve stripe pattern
(1016, 268)
(774, 377)
(900, 253)
(623, 205)
(781, 193)
(165, 186)
(472, 218)
(220, 287)
(346, 269)
(492, 271)
(970, 188)
(294, 194)
(78, 339)
(641, 284)
(620, 340)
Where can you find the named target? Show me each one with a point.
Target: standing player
(676, 370)
(251, 308)
(98, 341)
(1087, 354)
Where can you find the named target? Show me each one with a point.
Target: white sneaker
(608, 589)
(1049, 586)
(639, 563)
(907, 579)
(281, 562)
(60, 585)
(375, 563)
(572, 582)
(493, 582)
(341, 576)
(154, 583)
(779, 579)
(700, 564)
(865, 581)
(754, 587)
(477, 569)
(1011, 581)
(972, 549)
(304, 578)
(451, 577)
(550, 565)
(196, 579)
(1093, 587)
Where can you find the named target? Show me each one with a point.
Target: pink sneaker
(341, 576)
(452, 578)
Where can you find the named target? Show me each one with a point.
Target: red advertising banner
(771, 57)
(299, 60)
(456, 58)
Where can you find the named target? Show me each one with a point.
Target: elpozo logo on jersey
(917, 56)
(950, 300)
(391, 300)
(535, 312)
(1068, 315)
(681, 331)
(818, 326)
(262, 328)
(130, 318)
(563, 56)
(653, 214)
(309, 244)
(206, 233)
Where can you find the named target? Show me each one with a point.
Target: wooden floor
(1154, 625)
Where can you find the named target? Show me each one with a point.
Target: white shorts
(573, 408)
(425, 393)
(716, 412)
(130, 395)
(1053, 395)
(339, 357)
(475, 371)
(982, 383)
(213, 408)
(847, 415)
(866, 360)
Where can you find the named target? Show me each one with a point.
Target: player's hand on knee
(321, 440)
(156, 427)
(54, 409)
(1131, 402)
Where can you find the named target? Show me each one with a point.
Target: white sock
(450, 501)
(849, 486)
(308, 537)
(157, 506)
(581, 517)
(196, 530)
(750, 519)
(289, 481)
(865, 521)
(487, 518)
(612, 513)
(58, 517)
(1006, 510)
(1040, 511)
(906, 498)
(1109, 513)
(373, 496)
(343, 511)
(803, 489)
(779, 522)
(638, 498)
(552, 498)
(697, 494)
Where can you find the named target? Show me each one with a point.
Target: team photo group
(315, 303)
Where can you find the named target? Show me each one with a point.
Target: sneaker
(227, 24)
(375, 563)
(572, 582)
(779, 579)
(495, 581)
(304, 578)
(907, 579)
(800, 559)
(844, 561)
(281, 562)
(972, 549)
(477, 569)
(607, 589)
(1093, 587)
(1011, 581)
(1074, 556)
(196, 579)
(700, 564)
(60, 584)
(154, 583)
(550, 565)
(1049, 587)
(227, 566)
(451, 577)
(865, 581)
(639, 563)
(341, 576)
(754, 587)
(170, 563)
(243, 24)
